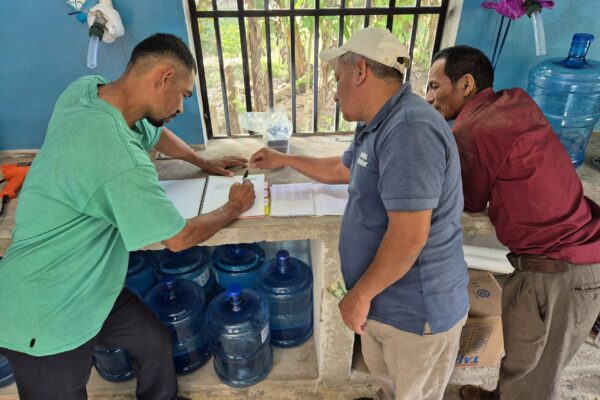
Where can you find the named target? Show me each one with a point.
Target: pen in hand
(245, 176)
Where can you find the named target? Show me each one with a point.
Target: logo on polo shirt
(362, 159)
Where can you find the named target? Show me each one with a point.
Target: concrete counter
(473, 223)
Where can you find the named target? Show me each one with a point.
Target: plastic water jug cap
(283, 255)
(176, 300)
(584, 37)
(234, 290)
(284, 276)
(168, 280)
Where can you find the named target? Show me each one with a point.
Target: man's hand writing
(242, 195)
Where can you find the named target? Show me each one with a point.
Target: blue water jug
(568, 92)
(6, 373)
(181, 306)
(286, 283)
(113, 363)
(239, 327)
(237, 263)
(141, 274)
(191, 264)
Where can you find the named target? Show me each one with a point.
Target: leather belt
(526, 262)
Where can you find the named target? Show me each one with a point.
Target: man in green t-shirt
(92, 196)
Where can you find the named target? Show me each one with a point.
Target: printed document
(301, 199)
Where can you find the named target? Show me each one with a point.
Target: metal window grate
(279, 26)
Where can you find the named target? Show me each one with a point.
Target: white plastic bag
(274, 126)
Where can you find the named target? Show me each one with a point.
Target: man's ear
(163, 75)
(470, 87)
(360, 71)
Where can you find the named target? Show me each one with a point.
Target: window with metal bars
(260, 55)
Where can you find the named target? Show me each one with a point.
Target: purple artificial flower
(514, 9)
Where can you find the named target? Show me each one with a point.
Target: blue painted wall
(478, 27)
(43, 50)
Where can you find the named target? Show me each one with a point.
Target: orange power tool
(14, 175)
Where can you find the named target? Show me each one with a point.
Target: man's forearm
(322, 169)
(392, 261)
(172, 146)
(202, 227)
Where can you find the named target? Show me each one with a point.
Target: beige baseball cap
(376, 44)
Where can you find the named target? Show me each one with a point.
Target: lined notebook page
(186, 195)
(217, 194)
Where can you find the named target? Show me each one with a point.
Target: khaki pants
(545, 318)
(409, 366)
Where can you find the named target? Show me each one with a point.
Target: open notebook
(193, 197)
(298, 199)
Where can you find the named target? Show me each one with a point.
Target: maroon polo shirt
(511, 158)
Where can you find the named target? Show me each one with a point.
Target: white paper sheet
(186, 195)
(292, 199)
(330, 199)
(301, 199)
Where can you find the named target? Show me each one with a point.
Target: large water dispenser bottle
(287, 284)
(181, 306)
(568, 92)
(141, 273)
(113, 363)
(191, 264)
(6, 373)
(237, 263)
(239, 327)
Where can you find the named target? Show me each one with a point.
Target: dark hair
(163, 45)
(462, 60)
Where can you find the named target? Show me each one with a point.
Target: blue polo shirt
(406, 159)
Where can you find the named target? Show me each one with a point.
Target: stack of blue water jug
(231, 303)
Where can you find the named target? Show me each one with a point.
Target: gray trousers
(545, 318)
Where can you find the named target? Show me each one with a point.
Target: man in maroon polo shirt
(511, 159)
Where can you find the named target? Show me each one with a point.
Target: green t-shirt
(91, 196)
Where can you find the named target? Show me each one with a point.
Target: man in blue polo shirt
(401, 237)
